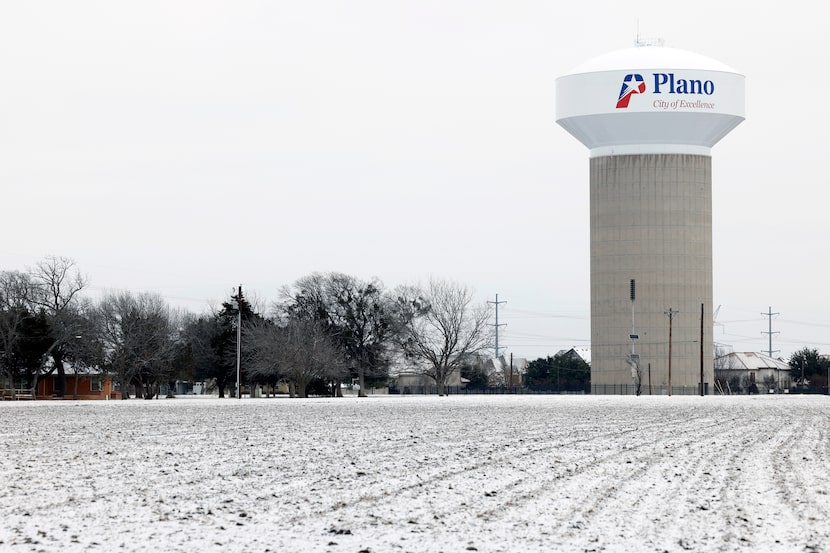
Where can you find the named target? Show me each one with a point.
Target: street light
(75, 370)
(633, 358)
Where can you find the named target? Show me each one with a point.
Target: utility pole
(769, 314)
(239, 343)
(802, 372)
(671, 313)
(701, 350)
(770, 333)
(497, 325)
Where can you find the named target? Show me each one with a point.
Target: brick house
(79, 385)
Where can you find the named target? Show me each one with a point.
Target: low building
(419, 383)
(506, 371)
(751, 373)
(92, 384)
(575, 352)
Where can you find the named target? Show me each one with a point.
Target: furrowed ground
(459, 473)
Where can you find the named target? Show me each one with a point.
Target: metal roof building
(751, 371)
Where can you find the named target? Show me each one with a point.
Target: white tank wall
(651, 220)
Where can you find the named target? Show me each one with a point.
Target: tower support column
(651, 220)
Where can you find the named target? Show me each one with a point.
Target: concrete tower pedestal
(651, 221)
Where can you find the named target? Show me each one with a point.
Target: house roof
(584, 353)
(70, 369)
(752, 361)
(502, 363)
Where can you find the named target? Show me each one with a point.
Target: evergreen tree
(28, 352)
(223, 339)
(562, 372)
(812, 364)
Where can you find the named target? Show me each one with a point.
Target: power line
(805, 323)
(515, 313)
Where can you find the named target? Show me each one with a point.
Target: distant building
(81, 385)
(420, 383)
(581, 353)
(500, 371)
(749, 373)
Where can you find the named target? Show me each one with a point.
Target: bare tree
(86, 351)
(16, 290)
(443, 329)
(262, 341)
(357, 314)
(637, 373)
(57, 285)
(299, 351)
(727, 377)
(141, 337)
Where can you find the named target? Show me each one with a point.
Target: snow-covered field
(460, 473)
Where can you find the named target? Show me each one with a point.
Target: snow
(459, 473)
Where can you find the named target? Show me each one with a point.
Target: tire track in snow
(438, 470)
(575, 457)
(725, 508)
(799, 489)
(636, 463)
(442, 485)
(630, 481)
(750, 489)
(683, 494)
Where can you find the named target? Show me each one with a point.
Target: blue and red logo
(633, 83)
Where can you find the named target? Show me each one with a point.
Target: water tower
(650, 116)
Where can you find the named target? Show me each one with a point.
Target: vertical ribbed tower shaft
(651, 220)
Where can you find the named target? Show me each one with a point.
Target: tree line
(809, 369)
(326, 328)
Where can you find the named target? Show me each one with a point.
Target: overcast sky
(187, 147)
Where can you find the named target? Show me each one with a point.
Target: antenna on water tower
(640, 41)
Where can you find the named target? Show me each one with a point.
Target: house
(750, 372)
(92, 384)
(574, 352)
(506, 371)
(408, 382)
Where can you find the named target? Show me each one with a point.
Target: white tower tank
(650, 116)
